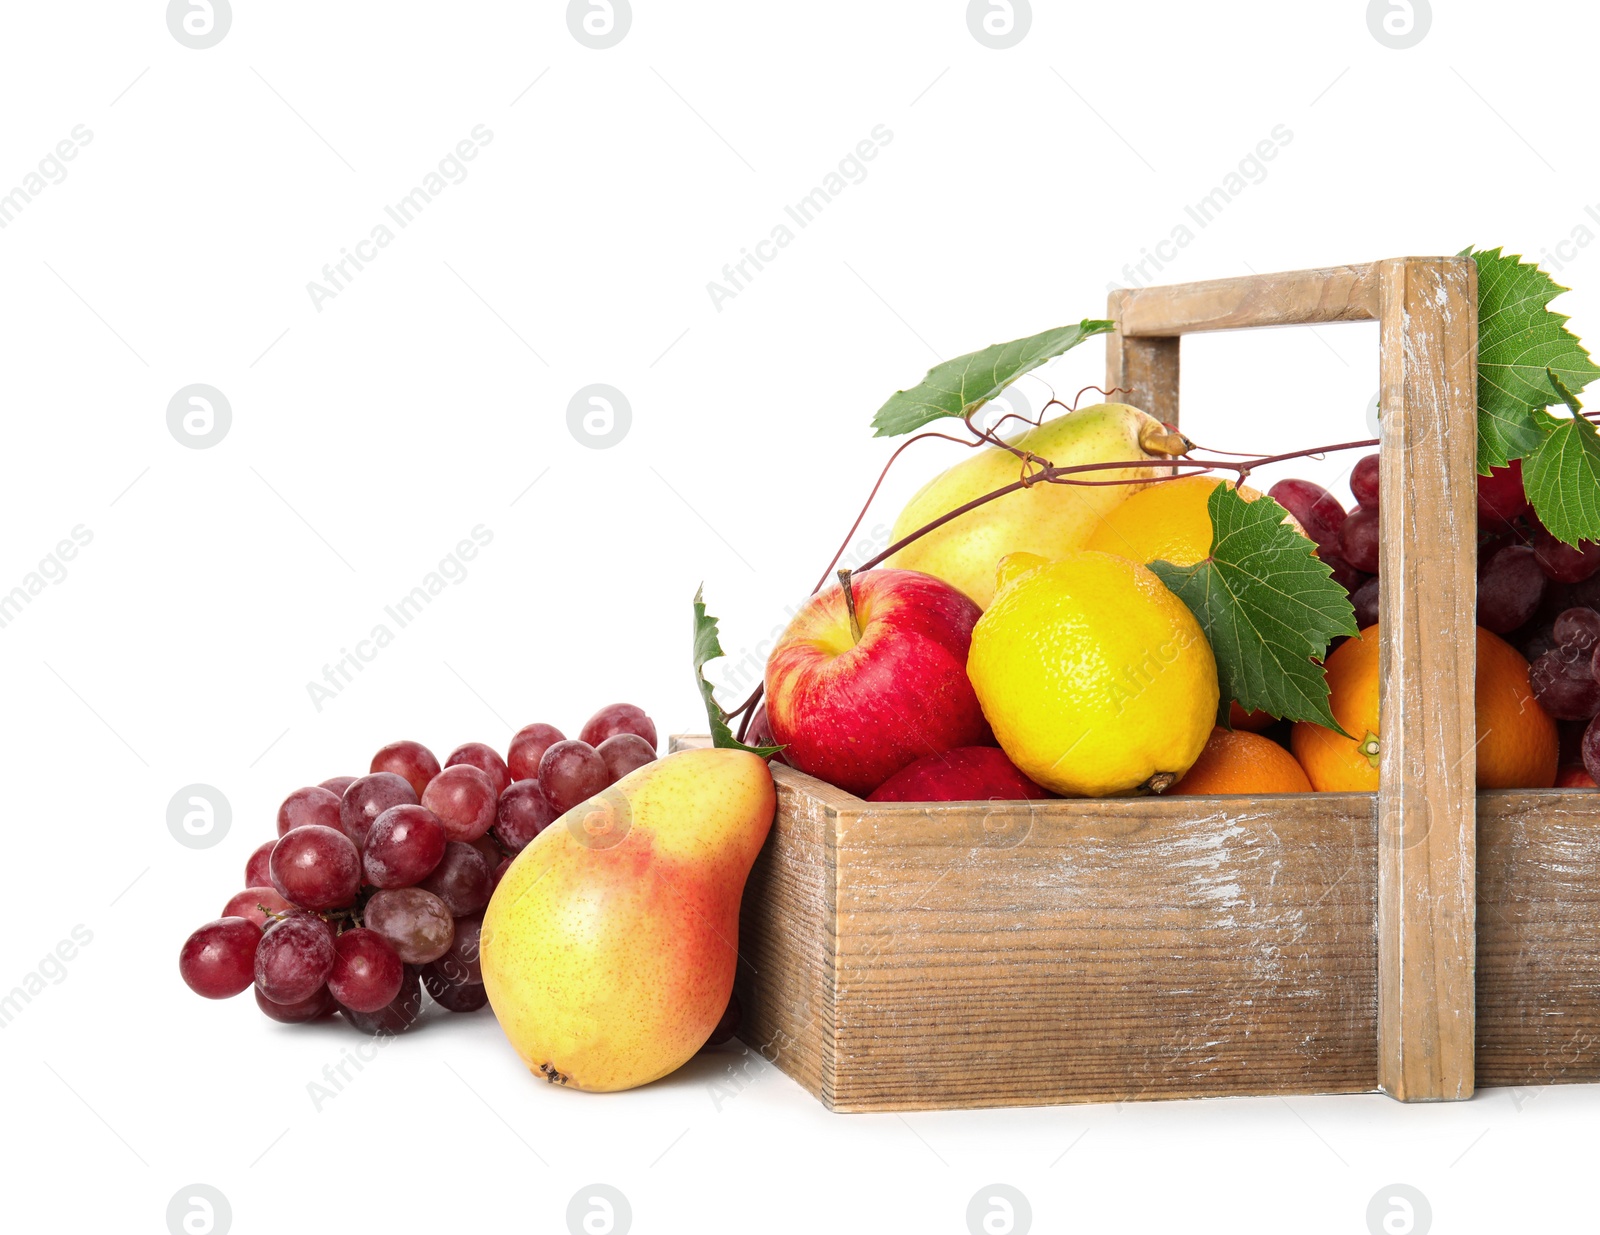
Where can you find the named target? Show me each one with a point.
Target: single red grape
(464, 960)
(317, 868)
(1562, 562)
(406, 842)
(624, 753)
(1565, 689)
(312, 806)
(1365, 601)
(219, 960)
(417, 925)
(1590, 749)
(412, 760)
(489, 847)
(294, 958)
(400, 1015)
(1577, 630)
(523, 813)
(463, 799)
(1364, 482)
(461, 880)
(313, 1007)
(255, 870)
(528, 747)
(368, 797)
(254, 904)
(617, 718)
(571, 772)
(1344, 574)
(366, 974)
(1316, 510)
(1510, 587)
(336, 785)
(1358, 540)
(453, 996)
(1500, 495)
(486, 759)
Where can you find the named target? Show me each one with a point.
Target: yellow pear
(1047, 519)
(609, 947)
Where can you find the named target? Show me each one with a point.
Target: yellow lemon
(1167, 521)
(1096, 679)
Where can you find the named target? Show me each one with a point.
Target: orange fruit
(1517, 740)
(1242, 762)
(1255, 721)
(1518, 744)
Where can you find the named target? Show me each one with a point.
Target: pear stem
(850, 603)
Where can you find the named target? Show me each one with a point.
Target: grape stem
(1036, 470)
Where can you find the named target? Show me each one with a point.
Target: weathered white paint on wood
(1428, 339)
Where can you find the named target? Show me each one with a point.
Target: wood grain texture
(1068, 951)
(1143, 372)
(1538, 977)
(1295, 298)
(1024, 954)
(1428, 659)
(785, 980)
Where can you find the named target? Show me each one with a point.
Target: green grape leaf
(1562, 477)
(707, 648)
(1521, 344)
(1268, 606)
(959, 387)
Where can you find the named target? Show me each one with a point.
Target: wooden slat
(1143, 372)
(784, 980)
(1538, 974)
(1297, 298)
(1426, 880)
(1116, 950)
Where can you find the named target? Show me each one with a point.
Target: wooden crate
(1416, 941)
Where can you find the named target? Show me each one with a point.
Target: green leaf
(1562, 477)
(1521, 343)
(707, 648)
(1268, 607)
(959, 387)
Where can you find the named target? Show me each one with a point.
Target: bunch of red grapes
(1539, 594)
(375, 888)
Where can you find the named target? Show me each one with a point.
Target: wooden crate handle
(1426, 308)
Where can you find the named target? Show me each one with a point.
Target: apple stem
(850, 603)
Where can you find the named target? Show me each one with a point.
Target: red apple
(856, 697)
(966, 774)
(1576, 777)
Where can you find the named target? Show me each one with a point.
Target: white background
(369, 437)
